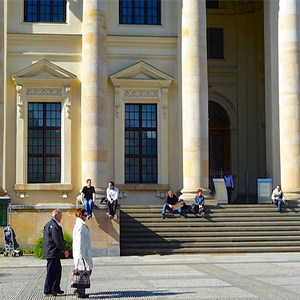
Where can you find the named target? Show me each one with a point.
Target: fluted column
(94, 93)
(2, 94)
(289, 96)
(194, 98)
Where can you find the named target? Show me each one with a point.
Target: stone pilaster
(94, 93)
(289, 96)
(194, 98)
(2, 94)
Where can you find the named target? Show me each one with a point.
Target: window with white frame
(43, 143)
(53, 11)
(141, 124)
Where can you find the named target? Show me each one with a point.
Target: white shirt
(276, 195)
(112, 194)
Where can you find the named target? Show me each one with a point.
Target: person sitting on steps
(278, 197)
(172, 204)
(88, 197)
(112, 194)
(198, 207)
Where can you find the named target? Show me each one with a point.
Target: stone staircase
(224, 229)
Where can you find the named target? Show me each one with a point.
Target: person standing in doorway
(54, 250)
(229, 185)
(88, 197)
(112, 194)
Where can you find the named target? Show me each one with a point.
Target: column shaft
(194, 97)
(289, 95)
(2, 94)
(94, 92)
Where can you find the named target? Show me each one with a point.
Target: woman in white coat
(82, 247)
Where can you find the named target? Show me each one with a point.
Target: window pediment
(141, 73)
(43, 71)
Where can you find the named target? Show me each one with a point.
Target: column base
(3, 192)
(292, 194)
(188, 195)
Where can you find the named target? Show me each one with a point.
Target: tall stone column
(94, 93)
(2, 89)
(194, 98)
(289, 96)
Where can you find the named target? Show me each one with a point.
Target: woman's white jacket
(82, 245)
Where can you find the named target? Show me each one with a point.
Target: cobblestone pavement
(237, 276)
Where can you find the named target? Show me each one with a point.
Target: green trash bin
(4, 203)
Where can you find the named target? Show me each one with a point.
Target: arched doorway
(219, 140)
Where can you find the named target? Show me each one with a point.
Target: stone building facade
(154, 95)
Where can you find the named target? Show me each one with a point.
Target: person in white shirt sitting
(112, 194)
(278, 197)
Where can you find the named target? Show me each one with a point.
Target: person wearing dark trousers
(112, 194)
(229, 185)
(88, 197)
(54, 250)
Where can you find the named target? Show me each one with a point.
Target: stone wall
(29, 221)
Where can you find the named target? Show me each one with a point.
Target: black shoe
(60, 292)
(111, 217)
(82, 295)
(163, 216)
(182, 216)
(50, 294)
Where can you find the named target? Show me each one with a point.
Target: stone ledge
(43, 187)
(51, 206)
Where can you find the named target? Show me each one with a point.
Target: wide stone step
(273, 208)
(184, 239)
(181, 223)
(164, 244)
(209, 250)
(198, 234)
(254, 207)
(224, 206)
(208, 217)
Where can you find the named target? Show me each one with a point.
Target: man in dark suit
(54, 250)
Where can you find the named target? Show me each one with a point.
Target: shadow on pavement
(132, 294)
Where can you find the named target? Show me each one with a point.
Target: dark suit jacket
(54, 245)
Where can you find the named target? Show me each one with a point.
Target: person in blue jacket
(198, 206)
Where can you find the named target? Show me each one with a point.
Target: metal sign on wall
(221, 191)
(264, 190)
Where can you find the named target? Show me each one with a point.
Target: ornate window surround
(42, 82)
(141, 83)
